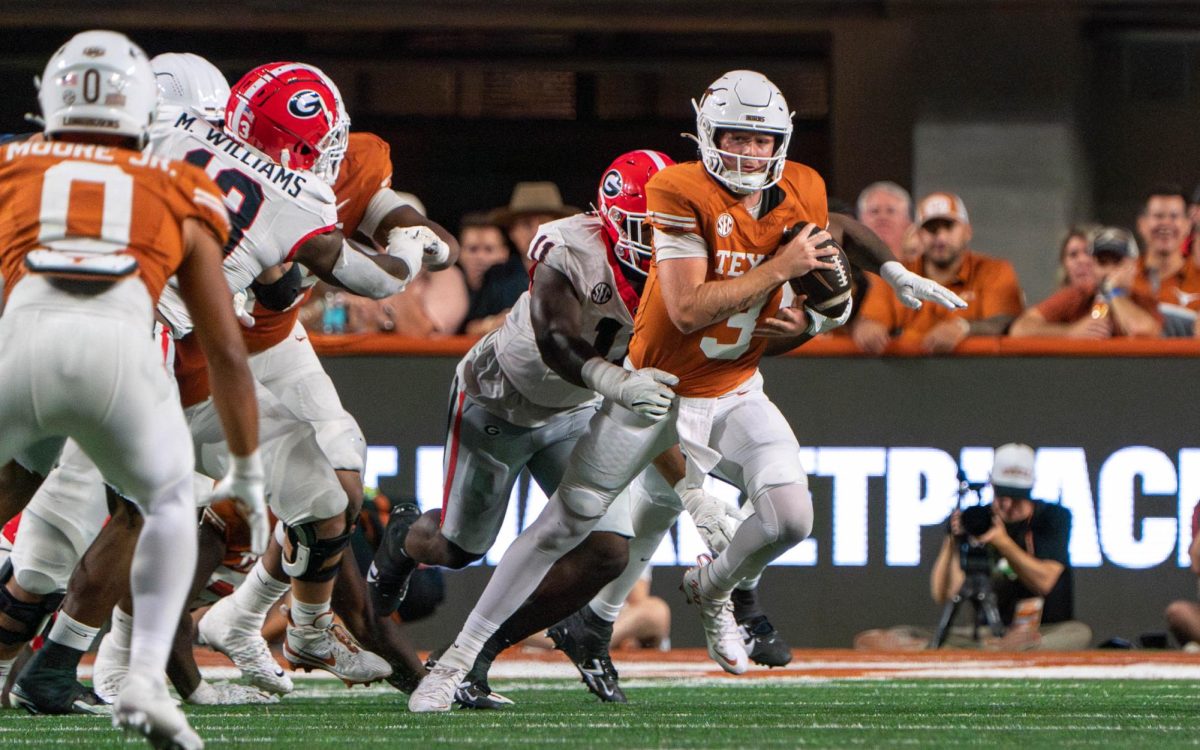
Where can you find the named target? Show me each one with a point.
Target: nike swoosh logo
(341, 205)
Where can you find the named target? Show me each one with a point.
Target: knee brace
(30, 616)
(310, 554)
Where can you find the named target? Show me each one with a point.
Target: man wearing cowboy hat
(532, 204)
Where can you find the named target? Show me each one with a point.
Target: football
(828, 289)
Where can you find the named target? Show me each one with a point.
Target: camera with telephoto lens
(973, 557)
(977, 519)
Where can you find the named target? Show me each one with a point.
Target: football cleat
(588, 651)
(228, 694)
(46, 690)
(224, 628)
(474, 690)
(326, 645)
(147, 709)
(473, 693)
(721, 632)
(763, 641)
(390, 571)
(110, 668)
(436, 692)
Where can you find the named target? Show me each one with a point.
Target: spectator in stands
(531, 205)
(1164, 228)
(886, 208)
(495, 274)
(1183, 615)
(1108, 306)
(1075, 264)
(989, 285)
(481, 246)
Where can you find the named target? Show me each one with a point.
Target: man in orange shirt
(989, 285)
(711, 302)
(1164, 271)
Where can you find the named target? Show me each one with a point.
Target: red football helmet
(622, 206)
(293, 113)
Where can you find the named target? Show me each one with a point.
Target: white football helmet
(189, 81)
(98, 82)
(742, 100)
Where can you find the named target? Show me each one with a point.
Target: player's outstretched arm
(335, 262)
(693, 302)
(556, 314)
(202, 286)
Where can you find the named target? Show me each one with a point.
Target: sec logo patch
(724, 225)
(601, 293)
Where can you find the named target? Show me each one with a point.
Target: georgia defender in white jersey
(521, 399)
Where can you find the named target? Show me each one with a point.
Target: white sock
(258, 593)
(469, 642)
(651, 521)
(67, 631)
(160, 577)
(304, 613)
(6, 666)
(121, 631)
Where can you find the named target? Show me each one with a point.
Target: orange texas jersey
(366, 170)
(685, 199)
(111, 198)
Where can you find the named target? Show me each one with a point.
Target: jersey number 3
(744, 323)
(244, 207)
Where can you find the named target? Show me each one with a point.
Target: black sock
(54, 656)
(596, 624)
(499, 641)
(745, 604)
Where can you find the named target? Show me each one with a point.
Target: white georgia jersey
(508, 358)
(272, 210)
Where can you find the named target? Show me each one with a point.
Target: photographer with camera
(1024, 542)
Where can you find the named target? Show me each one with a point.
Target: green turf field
(745, 713)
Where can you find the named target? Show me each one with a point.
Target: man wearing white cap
(1031, 568)
(988, 285)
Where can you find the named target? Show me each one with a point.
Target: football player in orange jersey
(711, 302)
(97, 228)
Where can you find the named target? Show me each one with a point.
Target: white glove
(239, 309)
(408, 244)
(244, 483)
(716, 520)
(819, 323)
(437, 252)
(911, 288)
(228, 694)
(645, 391)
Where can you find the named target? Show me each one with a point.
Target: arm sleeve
(668, 246)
